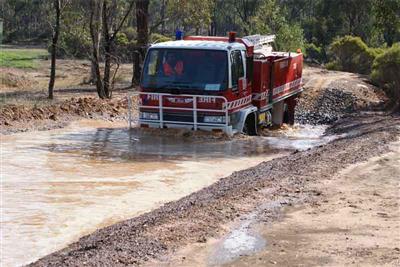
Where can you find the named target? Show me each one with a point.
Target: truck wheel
(290, 110)
(286, 117)
(250, 125)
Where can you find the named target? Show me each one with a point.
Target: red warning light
(232, 37)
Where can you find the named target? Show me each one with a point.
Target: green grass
(21, 58)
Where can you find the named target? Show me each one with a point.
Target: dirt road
(355, 223)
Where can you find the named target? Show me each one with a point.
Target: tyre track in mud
(203, 214)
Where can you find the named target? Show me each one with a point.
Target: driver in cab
(173, 66)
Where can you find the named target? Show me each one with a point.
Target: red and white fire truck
(219, 84)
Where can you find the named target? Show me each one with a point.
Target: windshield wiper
(168, 88)
(182, 85)
(174, 86)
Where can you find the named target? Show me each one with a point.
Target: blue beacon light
(179, 35)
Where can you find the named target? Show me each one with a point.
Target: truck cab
(202, 83)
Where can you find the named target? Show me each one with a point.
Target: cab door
(238, 73)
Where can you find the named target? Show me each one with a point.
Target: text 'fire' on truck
(224, 84)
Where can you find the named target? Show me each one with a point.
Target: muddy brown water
(59, 185)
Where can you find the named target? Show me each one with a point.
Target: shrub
(314, 53)
(130, 33)
(351, 54)
(75, 43)
(122, 39)
(158, 38)
(123, 49)
(386, 72)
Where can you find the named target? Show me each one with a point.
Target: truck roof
(209, 45)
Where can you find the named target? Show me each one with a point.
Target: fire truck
(229, 84)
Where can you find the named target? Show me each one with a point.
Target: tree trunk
(163, 8)
(142, 24)
(107, 49)
(56, 33)
(136, 66)
(107, 69)
(95, 31)
(96, 36)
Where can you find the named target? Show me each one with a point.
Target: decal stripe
(239, 102)
(260, 96)
(286, 87)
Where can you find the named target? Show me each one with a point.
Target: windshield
(185, 69)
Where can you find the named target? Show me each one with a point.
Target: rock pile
(328, 107)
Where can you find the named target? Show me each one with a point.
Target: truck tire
(250, 125)
(290, 110)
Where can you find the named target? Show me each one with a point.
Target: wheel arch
(243, 117)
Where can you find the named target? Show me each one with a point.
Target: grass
(21, 58)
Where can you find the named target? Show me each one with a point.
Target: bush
(351, 54)
(130, 33)
(75, 43)
(386, 72)
(122, 39)
(123, 49)
(158, 38)
(314, 53)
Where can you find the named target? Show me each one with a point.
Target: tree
(142, 25)
(26, 20)
(96, 7)
(246, 9)
(56, 32)
(110, 27)
(270, 18)
(191, 15)
(163, 14)
(387, 13)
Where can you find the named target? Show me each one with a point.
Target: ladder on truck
(262, 43)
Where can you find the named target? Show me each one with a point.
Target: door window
(236, 67)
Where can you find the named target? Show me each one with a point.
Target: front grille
(181, 117)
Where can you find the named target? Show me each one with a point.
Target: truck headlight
(148, 116)
(214, 119)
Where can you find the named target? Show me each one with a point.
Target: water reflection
(133, 145)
